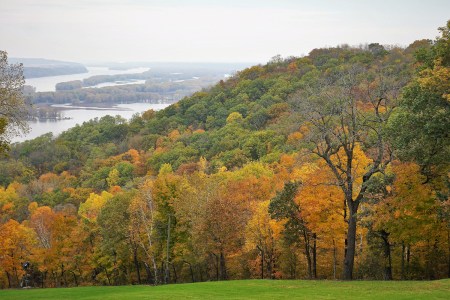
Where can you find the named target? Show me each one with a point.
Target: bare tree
(13, 107)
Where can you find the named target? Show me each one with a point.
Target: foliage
(419, 127)
(277, 172)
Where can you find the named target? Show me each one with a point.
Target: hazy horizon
(95, 63)
(199, 31)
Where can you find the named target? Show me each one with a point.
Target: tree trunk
(199, 267)
(272, 259)
(155, 272)
(262, 264)
(136, 264)
(314, 262)
(175, 276)
(408, 258)
(307, 253)
(431, 261)
(75, 278)
(334, 259)
(107, 276)
(223, 267)
(191, 270)
(162, 271)
(44, 278)
(216, 264)
(351, 241)
(9, 279)
(149, 273)
(16, 275)
(293, 265)
(387, 255)
(55, 279)
(270, 263)
(403, 262)
(167, 270)
(63, 275)
(262, 260)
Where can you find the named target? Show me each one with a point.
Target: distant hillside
(39, 67)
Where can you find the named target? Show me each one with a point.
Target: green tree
(117, 247)
(419, 126)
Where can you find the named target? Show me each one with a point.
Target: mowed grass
(249, 289)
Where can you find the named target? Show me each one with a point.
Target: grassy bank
(250, 289)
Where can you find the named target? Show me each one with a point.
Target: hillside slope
(254, 177)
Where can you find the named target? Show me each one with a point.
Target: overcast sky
(208, 30)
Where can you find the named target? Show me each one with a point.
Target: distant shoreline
(84, 106)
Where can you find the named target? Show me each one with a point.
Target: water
(47, 84)
(79, 115)
(114, 83)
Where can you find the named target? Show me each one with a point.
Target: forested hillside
(333, 165)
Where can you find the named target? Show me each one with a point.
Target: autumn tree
(89, 212)
(16, 244)
(323, 210)
(284, 207)
(410, 216)
(264, 234)
(419, 126)
(143, 215)
(344, 108)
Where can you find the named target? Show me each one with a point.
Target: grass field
(250, 289)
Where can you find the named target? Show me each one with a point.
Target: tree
(284, 207)
(322, 210)
(16, 242)
(143, 214)
(116, 246)
(419, 126)
(343, 108)
(410, 216)
(263, 234)
(13, 107)
(53, 253)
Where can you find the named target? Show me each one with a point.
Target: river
(47, 84)
(78, 115)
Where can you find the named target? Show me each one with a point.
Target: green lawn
(250, 289)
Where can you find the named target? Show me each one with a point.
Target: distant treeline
(154, 75)
(161, 85)
(33, 72)
(46, 113)
(153, 93)
(39, 67)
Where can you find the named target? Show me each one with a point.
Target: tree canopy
(332, 165)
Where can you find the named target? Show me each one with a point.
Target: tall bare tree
(13, 107)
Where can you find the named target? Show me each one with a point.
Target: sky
(208, 30)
